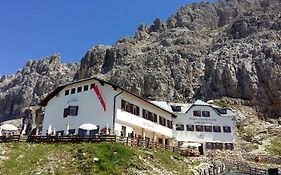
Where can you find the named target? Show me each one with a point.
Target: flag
(96, 90)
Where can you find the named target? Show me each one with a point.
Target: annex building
(115, 110)
(201, 124)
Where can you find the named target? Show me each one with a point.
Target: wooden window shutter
(65, 112)
(155, 118)
(138, 111)
(123, 104)
(132, 108)
(76, 112)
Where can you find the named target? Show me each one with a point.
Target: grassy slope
(113, 158)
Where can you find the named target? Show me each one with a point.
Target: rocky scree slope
(207, 50)
(229, 48)
(24, 89)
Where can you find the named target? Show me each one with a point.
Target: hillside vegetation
(86, 158)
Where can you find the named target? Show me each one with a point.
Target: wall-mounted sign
(148, 124)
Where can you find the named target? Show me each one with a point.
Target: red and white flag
(97, 91)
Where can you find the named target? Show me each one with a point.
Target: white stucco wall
(90, 108)
(91, 111)
(202, 137)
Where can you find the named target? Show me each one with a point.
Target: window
(208, 128)
(197, 113)
(145, 114)
(86, 87)
(73, 91)
(229, 146)
(209, 146)
(199, 128)
(206, 113)
(66, 92)
(217, 128)
(227, 129)
(170, 124)
(70, 111)
(127, 106)
(221, 110)
(190, 127)
(218, 146)
(136, 110)
(176, 108)
(131, 108)
(154, 118)
(150, 116)
(179, 127)
(79, 89)
(73, 110)
(92, 86)
(162, 121)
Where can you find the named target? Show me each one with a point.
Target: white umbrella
(191, 145)
(67, 129)
(88, 126)
(23, 132)
(37, 131)
(106, 129)
(9, 127)
(50, 129)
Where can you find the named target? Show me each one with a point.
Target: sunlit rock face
(229, 48)
(32, 83)
(207, 50)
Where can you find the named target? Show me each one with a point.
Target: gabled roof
(167, 106)
(201, 103)
(45, 101)
(185, 107)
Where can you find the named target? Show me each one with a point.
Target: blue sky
(33, 29)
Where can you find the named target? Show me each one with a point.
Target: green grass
(113, 158)
(246, 132)
(249, 147)
(275, 146)
(69, 159)
(25, 158)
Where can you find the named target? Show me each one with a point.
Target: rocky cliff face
(229, 48)
(24, 89)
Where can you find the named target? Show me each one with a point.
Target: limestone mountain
(32, 83)
(228, 48)
(206, 50)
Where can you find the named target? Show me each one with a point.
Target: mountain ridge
(204, 51)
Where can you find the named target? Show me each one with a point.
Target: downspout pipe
(114, 112)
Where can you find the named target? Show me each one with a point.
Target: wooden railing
(97, 139)
(212, 170)
(258, 171)
(71, 139)
(10, 138)
(100, 138)
(245, 168)
(145, 144)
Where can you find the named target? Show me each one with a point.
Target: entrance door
(123, 131)
(166, 141)
(200, 148)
